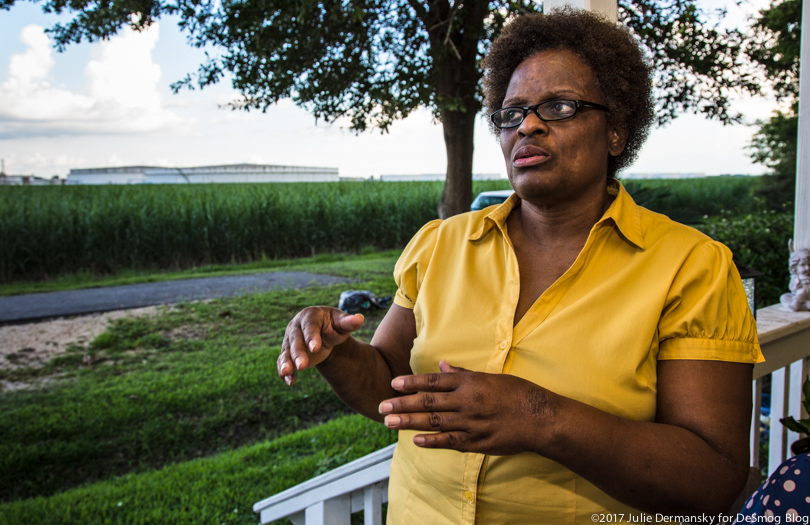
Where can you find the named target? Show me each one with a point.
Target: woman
(567, 355)
(782, 498)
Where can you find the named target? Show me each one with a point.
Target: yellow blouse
(643, 288)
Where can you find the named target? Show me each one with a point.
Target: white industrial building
(201, 174)
(28, 180)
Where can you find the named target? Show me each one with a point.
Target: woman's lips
(529, 156)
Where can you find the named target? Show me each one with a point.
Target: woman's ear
(616, 142)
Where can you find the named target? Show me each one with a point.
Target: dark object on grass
(356, 301)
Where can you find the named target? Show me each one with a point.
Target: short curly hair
(622, 74)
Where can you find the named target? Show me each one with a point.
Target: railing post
(794, 400)
(372, 505)
(805, 370)
(335, 511)
(755, 422)
(780, 383)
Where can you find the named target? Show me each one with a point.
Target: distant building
(201, 174)
(28, 180)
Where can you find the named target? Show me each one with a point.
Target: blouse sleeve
(413, 263)
(706, 315)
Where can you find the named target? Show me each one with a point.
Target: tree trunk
(459, 127)
(455, 51)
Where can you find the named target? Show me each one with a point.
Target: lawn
(168, 408)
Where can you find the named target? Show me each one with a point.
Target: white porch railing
(331, 499)
(785, 340)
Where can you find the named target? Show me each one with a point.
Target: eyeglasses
(551, 110)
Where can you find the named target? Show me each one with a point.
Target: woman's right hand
(311, 336)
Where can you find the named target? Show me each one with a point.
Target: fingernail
(298, 362)
(392, 421)
(419, 440)
(386, 408)
(312, 346)
(397, 383)
(288, 380)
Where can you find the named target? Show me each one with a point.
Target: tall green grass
(691, 201)
(51, 231)
(46, 231)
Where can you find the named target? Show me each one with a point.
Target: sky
(109, 104)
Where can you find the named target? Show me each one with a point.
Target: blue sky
(109, 104)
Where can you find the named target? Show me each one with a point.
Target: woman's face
(564, 160)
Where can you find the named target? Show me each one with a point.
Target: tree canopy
(375, 61)
(775, 46)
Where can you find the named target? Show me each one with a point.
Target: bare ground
(34, 344)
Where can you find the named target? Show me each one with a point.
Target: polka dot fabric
(784, 495)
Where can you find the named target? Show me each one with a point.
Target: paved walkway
(34, 307)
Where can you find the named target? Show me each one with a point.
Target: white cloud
(32, 65)
(121, 95)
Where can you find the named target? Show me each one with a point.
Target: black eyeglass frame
(577, 104)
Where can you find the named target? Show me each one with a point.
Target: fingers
(298, 343)
(285, 369)
(429, 421)
(310, 333)
(345, 323)
(294, 348)
(446, 367)
(285, 363)
(326, 327)
(448, 429)
(424, 411)
(310, 336)
(457, 440)
(441, 382)
(422, 402)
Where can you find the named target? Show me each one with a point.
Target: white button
(503, 344)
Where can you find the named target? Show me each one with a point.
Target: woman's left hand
(467, 411)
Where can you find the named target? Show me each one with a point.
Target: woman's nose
(532, 124)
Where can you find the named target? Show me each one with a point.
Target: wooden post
(606, 7)
(801, 233)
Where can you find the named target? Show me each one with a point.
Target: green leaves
(759, 240)
(362, 60)
(802, 426)
(775, 45)
(698, 66)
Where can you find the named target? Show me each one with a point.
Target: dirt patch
(34, 344)
(185, 332)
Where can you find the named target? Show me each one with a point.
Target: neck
(553, 224)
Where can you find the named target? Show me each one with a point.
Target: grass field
(216, 489)
(690, 201)
(47, 232)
